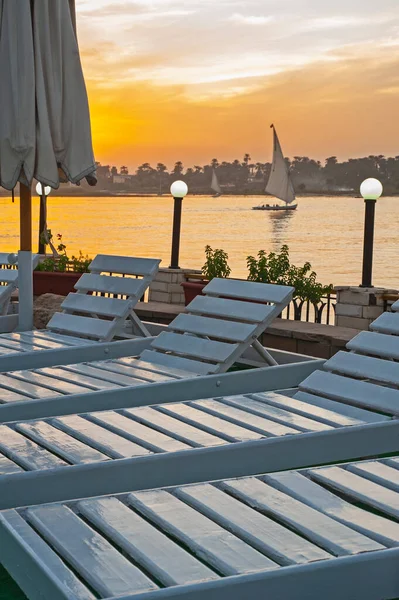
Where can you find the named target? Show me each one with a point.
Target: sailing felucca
(215, 185)
(280, 182)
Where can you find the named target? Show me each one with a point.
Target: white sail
(280, 183)
(215, 184)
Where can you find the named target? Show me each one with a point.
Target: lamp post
(371, 189)
(178, 190)
(43, 193)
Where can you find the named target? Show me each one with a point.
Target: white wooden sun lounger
(348, 409)
(328, 532)
(99, 311)
(9, 280)
(207, 339)
(153, 445)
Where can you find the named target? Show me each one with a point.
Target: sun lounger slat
(86, 326)
(156, 370)
(142, 434)
(377, 344)
(66, 340)
(214, 328)
(7, 466)
(112, 380)
(210, 423)
(334, 537)
(230, 309)
(378, 472)
(150, 548)
(395, 306)
(353, 413)
(96, 305)
(129, 372)
(248, 290)
(124, 286)
(174, 427)
(107, 571)
(240, 416)
(51, 561)
(359, 393)
(8, 275)
(66, 446)
(174, 364)
(28, 337)
(52, 383)
(364, 367)
(77, 378)
(386, 323)
(275, 541)
(312, 411)
(291, 421)
(25, 452)
(206, 539)
(190, 346)
(300, 487)
(23, 388)
(358, 488)
(99, 437)
(127, 265)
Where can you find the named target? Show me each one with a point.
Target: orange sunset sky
(195, 79)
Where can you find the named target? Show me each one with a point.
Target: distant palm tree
(114, 171)
(178, 168)
(124, 171)
(198, 169)
(214, 163)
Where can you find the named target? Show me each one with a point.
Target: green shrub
(216, 263)
(60, 263)
(277, 268)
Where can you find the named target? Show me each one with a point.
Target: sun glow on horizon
(171, 79)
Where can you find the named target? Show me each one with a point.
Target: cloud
(251, 19)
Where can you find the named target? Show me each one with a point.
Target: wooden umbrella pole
(25, 209)
(25, 275)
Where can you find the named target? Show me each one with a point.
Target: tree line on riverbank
(247, 177)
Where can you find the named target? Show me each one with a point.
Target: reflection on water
(328, 232)
(280, 222)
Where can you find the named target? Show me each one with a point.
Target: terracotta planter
(47, 282)
(192, 289)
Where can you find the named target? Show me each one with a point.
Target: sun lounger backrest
(106, 300)
(9, 279)
(368, 375)
(217, 328)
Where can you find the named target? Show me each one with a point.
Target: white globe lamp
(179, 189)
(371, 189)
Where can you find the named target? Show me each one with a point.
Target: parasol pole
(25, 275)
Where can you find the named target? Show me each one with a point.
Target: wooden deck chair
(99, 311)
(367, 376)
(163, 441)
(9, 280)
(207, 339)
(329, 532)
(106, 300)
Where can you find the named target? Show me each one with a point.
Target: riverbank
(66, 192)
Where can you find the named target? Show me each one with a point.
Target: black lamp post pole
(368, 243)
(174, 261)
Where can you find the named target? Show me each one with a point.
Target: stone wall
(166, 287)
(357, 307)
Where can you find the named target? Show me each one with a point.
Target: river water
(328, 232)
